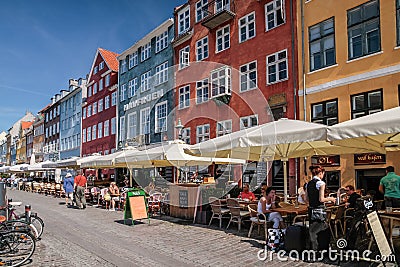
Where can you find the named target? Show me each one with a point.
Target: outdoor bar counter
(183, 200)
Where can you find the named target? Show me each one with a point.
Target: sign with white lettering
(143, 100)
(369, 158)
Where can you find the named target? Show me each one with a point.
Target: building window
(89, 134)
(248, 76)
(133, 60)
(222, 5)
(83, 135)
(96, 69)
(161, 73)
(325, 112)
(277, 69)
(202, 49)
(107, 83)
(146, 52)
(274, 14)
(94, 108)
(202, 133)
(222, 39)
(101, 65)
(122, 128)
(202, 91)
(123, 66)
(101, 84)
(224, 127)
(221, 82)
(106, 128)
(145, 121)
(366, 103)
(398, 21)
(100, 105)
(184, 57)
(94, 132)
(201, 9)
(248, 122)
(145, 81)
(84, 113)
(113, 98)
(94, 88)
(107, 102)
(364, 29)
(113, 126)
(90, 91)
(184, 97)
(162, 41)
(122, 93)
(247, 27)
(161, 117)
(132, 124)
(186, 135)
(183, 20)
(100, 130)
(322, 45)
(89, 111)
(132, 87)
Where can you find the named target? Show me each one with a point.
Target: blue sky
(44, 43)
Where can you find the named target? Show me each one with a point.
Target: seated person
(246, 193)
(114, 192)
(301, 198)
(352, 196)
(267, 202)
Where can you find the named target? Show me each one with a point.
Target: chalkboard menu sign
(261, 172)
(169, 174)
(183, 199)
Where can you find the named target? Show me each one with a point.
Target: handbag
(275, 239)
(318, 214)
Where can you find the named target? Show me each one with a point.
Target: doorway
(369, 180)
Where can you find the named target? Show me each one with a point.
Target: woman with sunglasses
(266, 203)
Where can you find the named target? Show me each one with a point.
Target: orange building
(349, 67)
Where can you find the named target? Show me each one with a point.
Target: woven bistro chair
(218, 211)
(256, 221)
(237, 214)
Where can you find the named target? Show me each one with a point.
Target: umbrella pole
(285, 179)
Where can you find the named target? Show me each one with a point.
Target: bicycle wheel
(19, 225)
(16, 247)
(39, 225)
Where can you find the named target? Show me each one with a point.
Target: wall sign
(326, 161)
(143, 100)
(369, 158)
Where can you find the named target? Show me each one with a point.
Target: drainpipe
(303, 61)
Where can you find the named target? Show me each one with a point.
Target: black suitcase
(324, 239)
(295, 238)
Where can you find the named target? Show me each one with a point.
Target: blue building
(146, 98)
(70, 119)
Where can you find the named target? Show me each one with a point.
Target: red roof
(26, 124)
(110, 58)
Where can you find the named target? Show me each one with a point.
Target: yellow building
(349, 66)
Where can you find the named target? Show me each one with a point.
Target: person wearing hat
(69, 188)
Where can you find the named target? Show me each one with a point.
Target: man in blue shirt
(390, 187)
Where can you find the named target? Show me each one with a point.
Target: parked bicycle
(34, 219)
(16, 247)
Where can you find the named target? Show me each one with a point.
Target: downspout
(303, 61)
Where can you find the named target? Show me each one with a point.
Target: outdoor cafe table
(301, 209)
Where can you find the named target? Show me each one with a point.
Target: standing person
(113, 190)
(390, 187)
(80, 184)
(316, 199)
(69, 189)
(267, 202)
(352, 196)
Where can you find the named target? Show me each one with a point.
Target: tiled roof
(26, 124)
(110, 58)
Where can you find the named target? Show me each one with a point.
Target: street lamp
(179, 127)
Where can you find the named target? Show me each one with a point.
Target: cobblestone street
(96, 237)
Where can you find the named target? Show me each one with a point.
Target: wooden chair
(335, 219)
(347, 217)
(218, 212)
(236, 212)
(256, 221)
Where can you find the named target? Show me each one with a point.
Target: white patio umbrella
(106, 161)
(39, 166)
(18, 167)
(4, 169)
(378, 131)
(282, 139)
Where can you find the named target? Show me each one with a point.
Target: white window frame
(184, 20)
(132, 87)
(94, 132)
(161, 75)
(89, 134)
(94, 108)
(249, 121)
(113, 98)
(158, 119)
(272, 10)
(202, 133)
(202, 91)
(220, 78)
(245, 80)
(84, 136)
(162, 41)
(184, 97)
(107, 102)
(113, 125)
(106, 128)
(100, 130)
(145, 121)
(96, 69)
(184, 57)
(202, 49)
(89, 111)
(248, 23)
(89, 91)
(226, 128)
(84, 113)
(145, 52)
(132, 125)
(100, 105)
(101, 65)
(145, 81)
(277, 63)
(122, 93)
(107, 80)
(201, 10)
(186, 135)
(222, 5)
(94, 88)
(122, 132)
(123, 65)
(101, 84)
(220, 36)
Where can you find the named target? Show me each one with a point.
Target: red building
(253, 77)
(99, 105)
